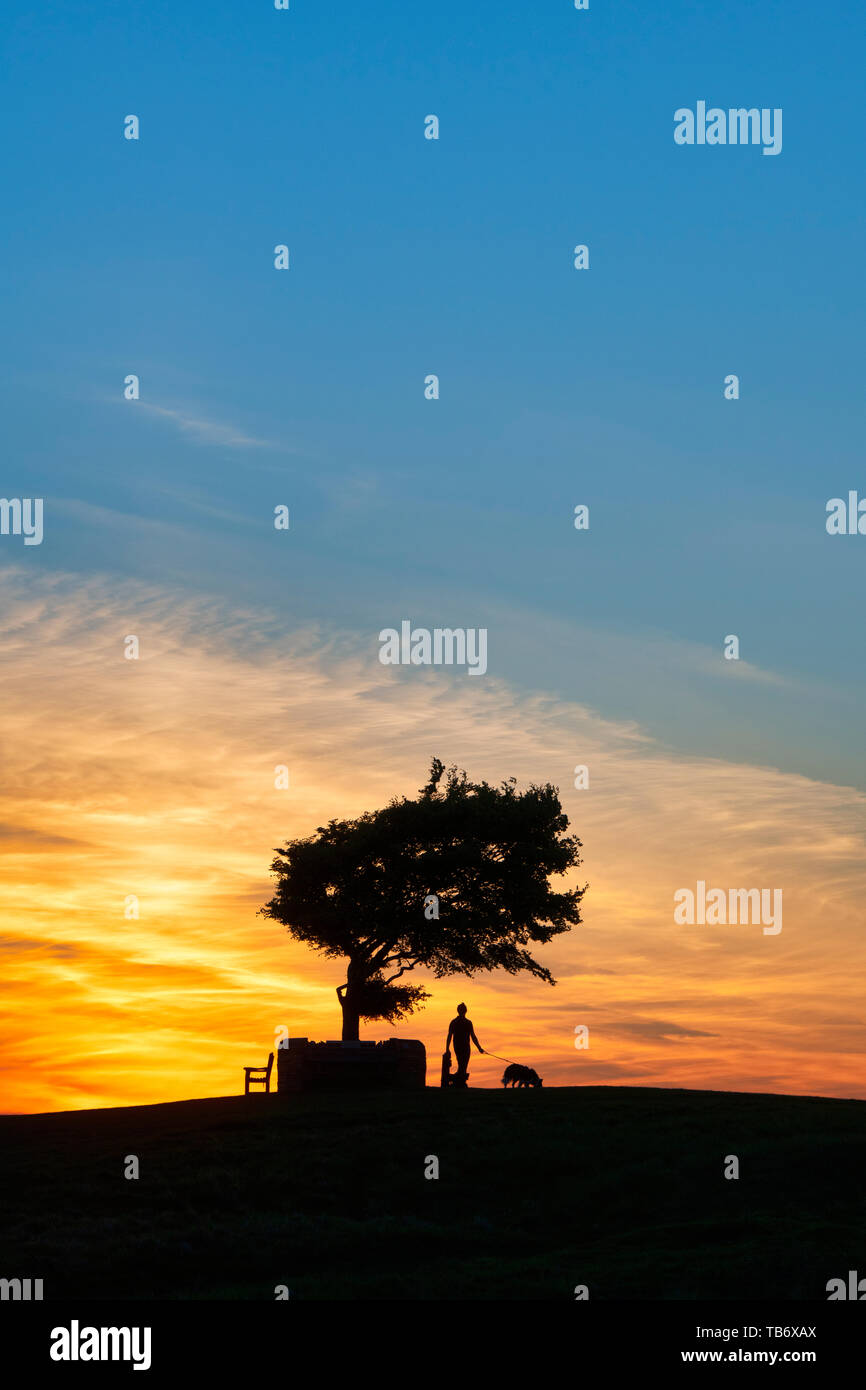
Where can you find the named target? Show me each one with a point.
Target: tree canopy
(358, 888)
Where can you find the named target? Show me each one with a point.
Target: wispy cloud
(205, 431)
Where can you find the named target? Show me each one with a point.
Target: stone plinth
(398, 1064)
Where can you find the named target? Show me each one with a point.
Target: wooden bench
(258, 1076)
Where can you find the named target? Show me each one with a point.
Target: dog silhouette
(515, 1075)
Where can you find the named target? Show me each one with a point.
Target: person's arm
(448, 1039)
(474, 1039)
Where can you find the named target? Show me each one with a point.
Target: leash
(485, 1053)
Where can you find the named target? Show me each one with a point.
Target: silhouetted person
(463, 1034)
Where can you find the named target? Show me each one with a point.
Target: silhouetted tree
(357, 888)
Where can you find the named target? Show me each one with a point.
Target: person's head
(461, 1009)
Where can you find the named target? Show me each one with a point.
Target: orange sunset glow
(155, 778)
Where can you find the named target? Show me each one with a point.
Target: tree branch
(381, 957)
(401, 971)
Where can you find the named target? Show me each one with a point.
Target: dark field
(621, 1189)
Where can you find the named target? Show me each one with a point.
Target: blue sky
(455, 257)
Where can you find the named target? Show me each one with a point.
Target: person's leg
(462, 1066)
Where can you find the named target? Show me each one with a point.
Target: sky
(305, 388)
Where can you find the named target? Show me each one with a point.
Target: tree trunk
(351, 1016)
(351, 1025)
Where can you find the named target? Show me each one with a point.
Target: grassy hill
(621, 1189)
